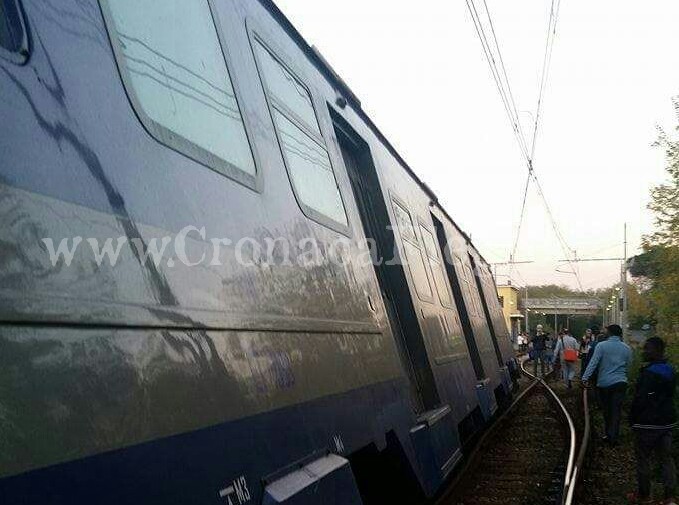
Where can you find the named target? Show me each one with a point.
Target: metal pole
(624, 318)
(614, 310)
(525, 306)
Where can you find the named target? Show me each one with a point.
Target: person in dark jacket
(539, 345)
(598, 336)
(653, 417)
(585, 345)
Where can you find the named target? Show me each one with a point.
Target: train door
(459, 300)
(486, 311)
(391, 277)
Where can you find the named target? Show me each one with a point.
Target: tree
(640, 309)
(657, 269)
(576, 323)
(551, 290)
(665, 197)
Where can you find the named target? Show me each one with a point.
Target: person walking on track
(550, 357)
(550, 343)
(566, 352)
(539, 345)
(585, 346)
(653, 417)
(611, 360)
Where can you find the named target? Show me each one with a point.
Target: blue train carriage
(499, 323)
(496, 322)
(394, 208)
(204, 373)
(163, 382)
(480, 340)
(396, 212)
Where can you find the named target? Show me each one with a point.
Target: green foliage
(657, 269)
(552, 290)
(665, 197)
(577, 324)
(646, 264)
(640, 309)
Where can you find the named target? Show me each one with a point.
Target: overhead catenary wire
(546, 64)
(504, 87)
(562, 242)
(502, 82)
(544, 79)
(497, 77)
(504, 73)
(512, 256)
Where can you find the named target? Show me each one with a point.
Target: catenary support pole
(525, 305)
(624, 318)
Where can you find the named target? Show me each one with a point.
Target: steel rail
(498, 422)
(577, 469)
(571, 427)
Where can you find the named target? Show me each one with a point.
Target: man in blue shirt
(611, 360)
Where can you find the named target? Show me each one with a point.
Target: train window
(13, 38)
(473, 291)
(429, 244)
(442, 285)
(288, 91)
(171, 60)
(310, 169)
(303, 147)
(405, 224)
(413, 254)
(470, 302)
(418, 270)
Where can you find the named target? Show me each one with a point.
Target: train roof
(324, 67)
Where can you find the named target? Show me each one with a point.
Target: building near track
(509, 297)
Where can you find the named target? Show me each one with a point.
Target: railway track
(527, 457)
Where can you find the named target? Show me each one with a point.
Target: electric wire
(562, 242)
(504, 88)
(507, 98)
(488, 51)
(504, 73)
(506, 95)
(546, 64)
(544, 79)
(513, 119)
(518, 230)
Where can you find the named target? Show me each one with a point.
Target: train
(219, 282)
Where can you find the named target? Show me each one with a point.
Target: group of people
(562, 351)
(606, 360)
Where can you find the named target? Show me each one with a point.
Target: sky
(420, 73)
